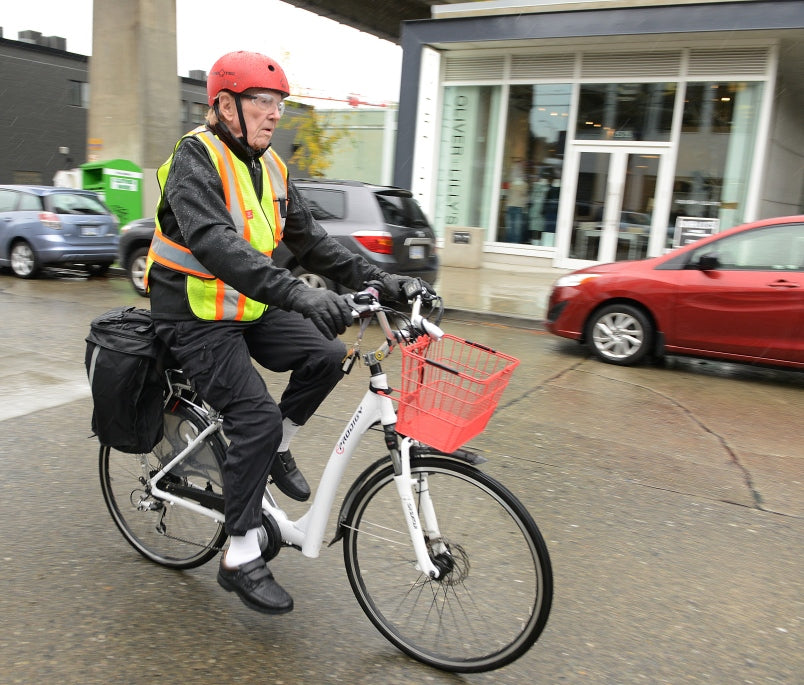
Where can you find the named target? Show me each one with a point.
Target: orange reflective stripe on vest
(260, 222)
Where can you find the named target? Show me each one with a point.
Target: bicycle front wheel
(492, 599)
(169, 534)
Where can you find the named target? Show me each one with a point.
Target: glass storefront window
(625, 111)
(466, 161)
(590, 200)
(629, 180)
(715, 152)
(535, 135)
(616, 185)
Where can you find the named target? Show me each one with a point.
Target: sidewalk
(498, 291)
(517, 294)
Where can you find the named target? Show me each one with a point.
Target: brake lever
(363, 303)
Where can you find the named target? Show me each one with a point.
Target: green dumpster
(119, 183)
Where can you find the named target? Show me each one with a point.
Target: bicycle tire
(170, 535)
(492, 604)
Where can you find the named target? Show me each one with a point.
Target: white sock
(243, 548)
(289, 429)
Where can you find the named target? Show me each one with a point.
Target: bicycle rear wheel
(493, 598)
(169, 534)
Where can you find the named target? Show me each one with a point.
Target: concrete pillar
(134, 85)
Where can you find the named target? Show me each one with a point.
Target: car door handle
(782, 283)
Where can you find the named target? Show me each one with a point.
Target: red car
(737, 295)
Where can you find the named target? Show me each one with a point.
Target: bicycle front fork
(417, 507)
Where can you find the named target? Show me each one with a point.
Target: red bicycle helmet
(237, 71)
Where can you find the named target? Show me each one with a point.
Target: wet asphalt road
(671, 500)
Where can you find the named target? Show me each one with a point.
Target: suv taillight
(375, 241)
(50, 220)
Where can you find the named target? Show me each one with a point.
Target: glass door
(614, 213)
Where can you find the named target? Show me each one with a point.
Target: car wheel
(24, 262)
(136, 269)
(619, 334)
(312, 280)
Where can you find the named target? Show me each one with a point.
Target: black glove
(403, 288)
(329, 312)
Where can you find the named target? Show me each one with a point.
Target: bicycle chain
(190, 542)
(165, 534)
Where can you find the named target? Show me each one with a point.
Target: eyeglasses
(268, 103)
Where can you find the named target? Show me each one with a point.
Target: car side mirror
(709, 262)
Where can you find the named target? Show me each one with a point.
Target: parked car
(384, 224)
(736, 295)
(44, 225)
(135, 239)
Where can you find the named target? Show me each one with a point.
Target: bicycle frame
(438, 597)
(307, 532)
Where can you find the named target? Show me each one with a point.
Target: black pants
(216, 357)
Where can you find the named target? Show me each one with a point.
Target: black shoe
(288, 478)
(255, 585)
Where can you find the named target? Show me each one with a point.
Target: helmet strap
(244, 136)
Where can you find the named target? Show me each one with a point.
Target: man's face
(262, 110)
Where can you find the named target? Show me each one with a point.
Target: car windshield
(400, 210)
(74, 203)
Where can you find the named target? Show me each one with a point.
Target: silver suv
(384, 224)
(45, 225)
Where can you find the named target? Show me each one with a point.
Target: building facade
(575, 133)
(44, 117)
(364, 150)
(44, 122)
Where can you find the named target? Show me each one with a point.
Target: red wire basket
(450, 389)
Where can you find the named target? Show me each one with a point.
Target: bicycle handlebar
(366, 304)
(422, 323)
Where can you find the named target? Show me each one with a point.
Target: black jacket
(193, 213)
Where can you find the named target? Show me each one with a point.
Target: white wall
(783, 185)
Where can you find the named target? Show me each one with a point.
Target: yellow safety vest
(261, 223)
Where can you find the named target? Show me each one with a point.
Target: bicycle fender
(462, 455)
(471, 458)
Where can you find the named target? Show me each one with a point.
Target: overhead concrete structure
(381, 18)
(134, 99)
(134, 87)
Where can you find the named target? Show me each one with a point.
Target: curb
(468, 315)
(513, 320)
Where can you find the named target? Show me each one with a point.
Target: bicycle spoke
(170, 535)
(492, 597)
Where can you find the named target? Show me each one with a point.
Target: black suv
(383, 223)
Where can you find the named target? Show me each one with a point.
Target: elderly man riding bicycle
(219, 301)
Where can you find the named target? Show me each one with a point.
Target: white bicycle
(444, 560)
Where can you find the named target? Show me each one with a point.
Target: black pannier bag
(125, 362)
